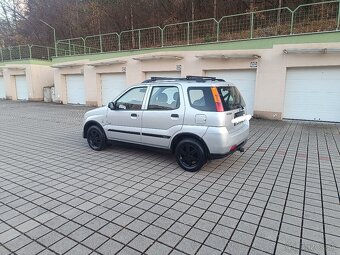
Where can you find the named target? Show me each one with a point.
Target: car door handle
(134, 115)
(174, 116)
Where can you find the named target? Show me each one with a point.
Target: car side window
(164, 98)
(131, 100)
(201, 98)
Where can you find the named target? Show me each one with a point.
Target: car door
(125, 119)
(163, 116)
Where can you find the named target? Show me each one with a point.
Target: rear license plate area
(238, 114)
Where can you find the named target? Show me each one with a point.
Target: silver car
(197, 118)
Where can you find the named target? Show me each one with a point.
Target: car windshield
(231, 98)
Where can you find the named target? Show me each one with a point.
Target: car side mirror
(111, 105)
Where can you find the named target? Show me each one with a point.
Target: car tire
(190, 155)
(96, 138)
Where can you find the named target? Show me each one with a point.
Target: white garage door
(21, 87)
(170, 74)
(2, 88)
(112, 86)
(75, 89)
(313, 94)
(244, 80)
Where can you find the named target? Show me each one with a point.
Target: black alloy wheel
(190, 154)
(96, 138)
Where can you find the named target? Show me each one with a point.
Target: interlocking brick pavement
(57, 196)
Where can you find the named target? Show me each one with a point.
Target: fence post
(162, 37)
(188, 37)
(292, 23)
(10, 53)
(19, 50)
(138, 38)
(30, 50)
(252, 25)
(101, 43)
(119, 46)
(69, 47)
(55, 49)
(1, 54)
(84, 45)
(338, 22)
(218, 32)
(48, 53)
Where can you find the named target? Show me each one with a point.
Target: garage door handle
(133, 115)
(174, 116)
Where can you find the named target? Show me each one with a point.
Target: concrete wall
(270, 72)
(60, 73)
(271, 69)
(93, 73)
(9, 78)
(37, 77)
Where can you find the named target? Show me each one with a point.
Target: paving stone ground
(57, 196)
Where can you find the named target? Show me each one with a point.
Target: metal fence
(23, 52)
(307, 18)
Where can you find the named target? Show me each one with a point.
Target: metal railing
(306, 18)
(23, 52)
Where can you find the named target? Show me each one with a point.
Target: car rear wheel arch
(182, 136)
(190, 154)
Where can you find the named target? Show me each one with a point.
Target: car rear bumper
(221, 142)
(238, 148)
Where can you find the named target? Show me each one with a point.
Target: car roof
(189, 81)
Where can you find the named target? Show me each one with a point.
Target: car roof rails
(187, 78)
(202, 78)
(152, 79)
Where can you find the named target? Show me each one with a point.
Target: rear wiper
(238, 106)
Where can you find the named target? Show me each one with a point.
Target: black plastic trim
(137, 133)
(123, 131)
(158, 136)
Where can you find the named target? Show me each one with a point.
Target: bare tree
(19, 19)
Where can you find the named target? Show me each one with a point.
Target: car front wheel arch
(96, 138)
(89, 124)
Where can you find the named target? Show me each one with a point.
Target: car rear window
(201, 98)
(231, 98)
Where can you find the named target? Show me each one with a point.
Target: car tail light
(217, 100)
(233, 148)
